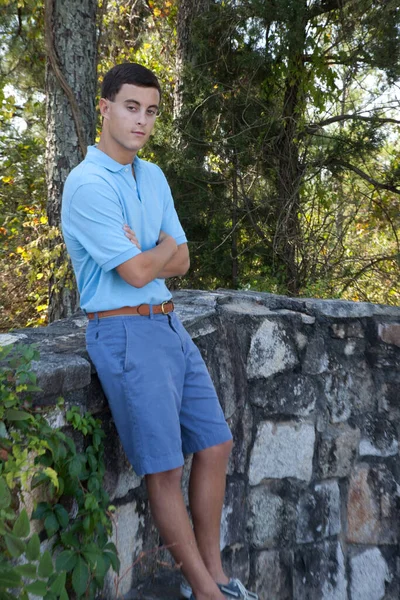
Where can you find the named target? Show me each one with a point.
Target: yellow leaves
(20, 250)
(39, 276)
(43, 220)
(8, 179)
(52, 475)
(41, 307)
(156, 12)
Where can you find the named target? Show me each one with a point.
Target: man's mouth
(138, 132)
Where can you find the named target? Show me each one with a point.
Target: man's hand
(130, 234)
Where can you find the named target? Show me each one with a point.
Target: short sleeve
(96, 220)
(170, 220)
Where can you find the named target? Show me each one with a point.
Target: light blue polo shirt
(100, 196)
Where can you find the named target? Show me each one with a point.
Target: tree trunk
(71, 123)
(287, 234)
(185, 51)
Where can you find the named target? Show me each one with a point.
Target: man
(124, 237)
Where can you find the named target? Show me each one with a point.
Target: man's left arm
(178, 265)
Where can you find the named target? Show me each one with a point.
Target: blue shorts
(159, 390)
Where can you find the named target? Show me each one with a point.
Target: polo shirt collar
(101, 158)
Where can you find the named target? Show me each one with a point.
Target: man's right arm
(143, 268)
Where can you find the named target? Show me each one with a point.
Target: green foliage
(37, 461)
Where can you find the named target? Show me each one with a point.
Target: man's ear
(104, 108)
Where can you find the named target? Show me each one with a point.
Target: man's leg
(172, 520)
(206, 498)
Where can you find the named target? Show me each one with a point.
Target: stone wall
(311, 390)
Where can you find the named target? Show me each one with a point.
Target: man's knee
(165, 480)
(216, 453)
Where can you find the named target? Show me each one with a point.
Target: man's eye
(151, 113)
(132, 108)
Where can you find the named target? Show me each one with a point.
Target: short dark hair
(131, 73)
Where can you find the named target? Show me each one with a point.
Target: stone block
(119, 477)
(373, 506)
(349, 392)
(271, 351)
(389, 333)
(60, 373)
(282, 450)
(316, 359)
(318, 513)
(126, 537)
(379, 437)
(242, 427)
(234, 514)
(272, 515)
(290, 394)
(319, 572)
(369, 574)
(347, 330)
(236, 560)
(273, 574)
(337, 451)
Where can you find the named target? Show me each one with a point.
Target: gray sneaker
(233, 589)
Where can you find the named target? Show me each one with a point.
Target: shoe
(233, 589)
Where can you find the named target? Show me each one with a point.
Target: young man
(124, 237)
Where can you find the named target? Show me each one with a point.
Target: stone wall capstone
(311, 390)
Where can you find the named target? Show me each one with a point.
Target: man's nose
(141, 117)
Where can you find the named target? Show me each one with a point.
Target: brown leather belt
(143, 310)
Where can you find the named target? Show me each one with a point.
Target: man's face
(130, 117)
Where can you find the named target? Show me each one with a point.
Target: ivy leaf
(62, 515)
(38, 588)
(21, 526)
(52, 475)
(42, 510)
(3, 430)
(69, 539)
(59, 584)
(5, 496)
(46, 565)
(16, 415)
(33, 548)
(9, 578)
(15, 546)
(66, 561)
(27, 570)
(51, 525)
(80, 577)
(64, 595)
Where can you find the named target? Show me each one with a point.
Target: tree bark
(188, 11)
(71, 123)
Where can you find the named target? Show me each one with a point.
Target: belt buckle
(162, 306)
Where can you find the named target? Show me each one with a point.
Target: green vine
(71, 554)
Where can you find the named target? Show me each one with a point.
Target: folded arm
(146, 266)
(177, 265)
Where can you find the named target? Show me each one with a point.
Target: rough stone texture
(390, 334)
(282, 450)
(379, 437)
(310, 389)
(349, 391)
(271, 351)
(319, 573)
(273, 574)
(289, 394)
(369, 575)
(272, 515)
(319, 513)
(373, 506)
(125, 537)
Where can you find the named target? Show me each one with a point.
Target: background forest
(279, 135)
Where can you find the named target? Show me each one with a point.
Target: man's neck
(124, 157)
